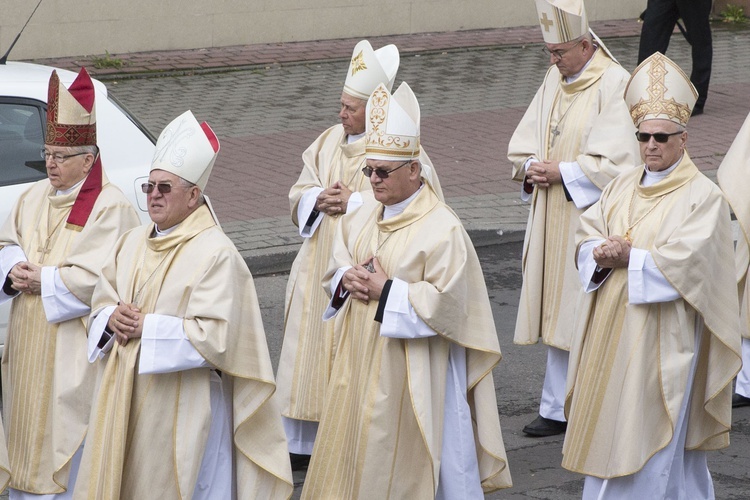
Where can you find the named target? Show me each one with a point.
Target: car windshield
(21, 139)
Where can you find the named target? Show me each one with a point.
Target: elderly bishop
(411, 410)
(52, 248)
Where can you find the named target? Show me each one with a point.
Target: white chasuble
(194, 273)
(48, 383)
(585, 121)
(629, 363)
(382, 426)
(305, 363)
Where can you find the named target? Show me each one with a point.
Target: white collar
(397, 208)
(69, 190)
(354, 138)
(650, 178)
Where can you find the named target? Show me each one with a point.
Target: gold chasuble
(148, 432)
(584, 121)
(629, 363)
(381, 432)
(48, 382)
(305, 363)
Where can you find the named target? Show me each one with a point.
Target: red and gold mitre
(71, 114)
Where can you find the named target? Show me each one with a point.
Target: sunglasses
(381, 173)
(658, 137)
(163, 187)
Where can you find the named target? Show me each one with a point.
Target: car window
(21, 140)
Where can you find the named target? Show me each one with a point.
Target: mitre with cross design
(562, 20)
(659, 89)
(392, 124)
(369, 68)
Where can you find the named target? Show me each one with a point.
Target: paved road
(471, 101)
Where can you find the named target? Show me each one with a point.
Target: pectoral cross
(555, 132)
(43, 250)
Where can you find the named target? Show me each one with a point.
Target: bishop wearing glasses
(574, 138)
(657, 333)
(185, 406)
(411, 407)
(329, 186)
(52, 248)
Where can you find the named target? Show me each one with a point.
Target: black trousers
(658, 23)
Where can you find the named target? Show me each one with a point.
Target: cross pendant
(627, 236)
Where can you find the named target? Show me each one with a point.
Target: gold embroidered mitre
(392, 124)
(562, 20)
(187, 149)
(659, 89)
(369, 68)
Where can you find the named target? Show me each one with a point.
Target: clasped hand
(126, 322)
(544, 173)
(364, 285)
(614, 252)
(333, 200)
(26, 278)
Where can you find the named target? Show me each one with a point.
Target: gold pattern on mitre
(370, 68)
(358, 63)
(659, 89)
(562, 21)
(392, 124)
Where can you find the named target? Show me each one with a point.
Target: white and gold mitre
(392, 125)
(659, 89)
(369, 68)
(187, 149)
(562, 20)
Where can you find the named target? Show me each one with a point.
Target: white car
(127, 147)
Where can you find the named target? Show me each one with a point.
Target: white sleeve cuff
(96, 332)
(305, 207)
(587, 265)
(59, 304)
(646, 283)
(400, 321)
(165, 347)
(583, 192)
(9, 257)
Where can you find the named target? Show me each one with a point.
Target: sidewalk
(269, 102)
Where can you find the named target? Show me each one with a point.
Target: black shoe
(698, 110)
(541, 427)
(299, 462)
(739, 400)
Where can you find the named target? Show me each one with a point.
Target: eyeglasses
(58, 158)
(658, 137)
(162, 187)
(559, 53)
(381, 173)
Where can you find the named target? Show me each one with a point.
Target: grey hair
(189, 185)
(93, 150)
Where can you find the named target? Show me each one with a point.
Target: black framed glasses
(162, 187)
(381, 173)
(57, 157)
(661, 137)
(559, 53)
